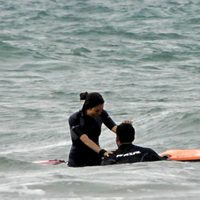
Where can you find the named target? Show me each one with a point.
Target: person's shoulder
(150, 154)
(75, 115)
(104, 114)
(144, 149)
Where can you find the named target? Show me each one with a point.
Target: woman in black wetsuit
(85, 129)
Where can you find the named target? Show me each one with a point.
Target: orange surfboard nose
(182, 154)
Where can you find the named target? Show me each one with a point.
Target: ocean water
(143, 56)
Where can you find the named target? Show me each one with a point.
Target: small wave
(82, 51)
(162, 56)
(9, 164)
(22, 190)
(35, 149)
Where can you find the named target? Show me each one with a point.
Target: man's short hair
(125, 133)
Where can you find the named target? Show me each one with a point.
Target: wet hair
(125, 133)
(91, 100)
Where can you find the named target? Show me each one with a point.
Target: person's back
(127, 152)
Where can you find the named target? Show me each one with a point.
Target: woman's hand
(114, 129)
(107, 153)
(104, 153)
(127, 122)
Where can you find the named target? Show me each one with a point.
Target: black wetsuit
(129, 153)
(80, 155)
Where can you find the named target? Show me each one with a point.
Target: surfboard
(182, 154)
(49, 162)
(172, 154)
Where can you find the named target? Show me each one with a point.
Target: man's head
(125, 133)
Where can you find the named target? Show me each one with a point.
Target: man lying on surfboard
(128, 152)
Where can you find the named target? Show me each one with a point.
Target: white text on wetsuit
(128, 154)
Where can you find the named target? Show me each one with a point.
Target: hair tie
(83, 95)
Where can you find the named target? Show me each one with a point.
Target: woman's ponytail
(91, 100)
(83, 95)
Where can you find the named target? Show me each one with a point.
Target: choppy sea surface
(143, 56)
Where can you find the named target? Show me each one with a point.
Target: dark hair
(91, 100)
(125, 133)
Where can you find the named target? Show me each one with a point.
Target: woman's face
(95, 111)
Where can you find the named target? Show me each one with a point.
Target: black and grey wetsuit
(81, 155)
(129, 153)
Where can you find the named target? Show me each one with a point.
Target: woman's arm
(88, 142)
(107, 120)
(92, 145)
